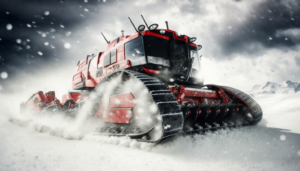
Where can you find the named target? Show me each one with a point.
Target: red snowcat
(166, 96)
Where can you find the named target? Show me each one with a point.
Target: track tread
(171, 115)
(249, 101)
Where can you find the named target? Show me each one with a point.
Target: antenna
(135, 27)
(167, 25)
(122, 31)
(145, 22)
(105, 38)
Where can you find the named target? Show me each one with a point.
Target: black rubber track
(247, 100)
(171, 115)
(172, 118)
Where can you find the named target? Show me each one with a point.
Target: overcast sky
(244, 42)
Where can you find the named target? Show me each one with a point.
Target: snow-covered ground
(274, 144)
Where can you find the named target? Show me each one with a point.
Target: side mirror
(199, 47)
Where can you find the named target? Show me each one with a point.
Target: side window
(99, 72)
(113, 56)
(194, 54)
(107, 60)
(90, 57)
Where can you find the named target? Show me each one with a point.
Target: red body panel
(64, 99)
(32, 104)
(196, 95)
(118, 115)
(40, 100)
(77, 78)
(122, 101)
(120, 110)
(41, 97)
(155, 34)
(151, 71)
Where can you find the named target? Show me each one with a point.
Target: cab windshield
(157, 50)
(134, 51)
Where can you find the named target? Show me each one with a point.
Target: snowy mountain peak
(297, 89)
(273, 87)
(292, 84)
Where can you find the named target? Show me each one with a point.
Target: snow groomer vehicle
(148, 86)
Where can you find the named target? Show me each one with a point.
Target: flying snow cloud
(262, 35)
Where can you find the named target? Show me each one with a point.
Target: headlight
(153, 26)
(192, 39)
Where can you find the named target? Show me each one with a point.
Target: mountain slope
(274, 88)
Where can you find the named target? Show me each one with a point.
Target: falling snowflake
(68, 33)
(44, 35)
(67, 45)
(282, 137)
(28, 25)
(4, 75)
(153, 108)
(46, 43)
(117, 101)
(167, 126)
(19, 41)
(62, 26)
(40, 53)
(9, 26)
(149, 119)
(47, 13)
(85, 9)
